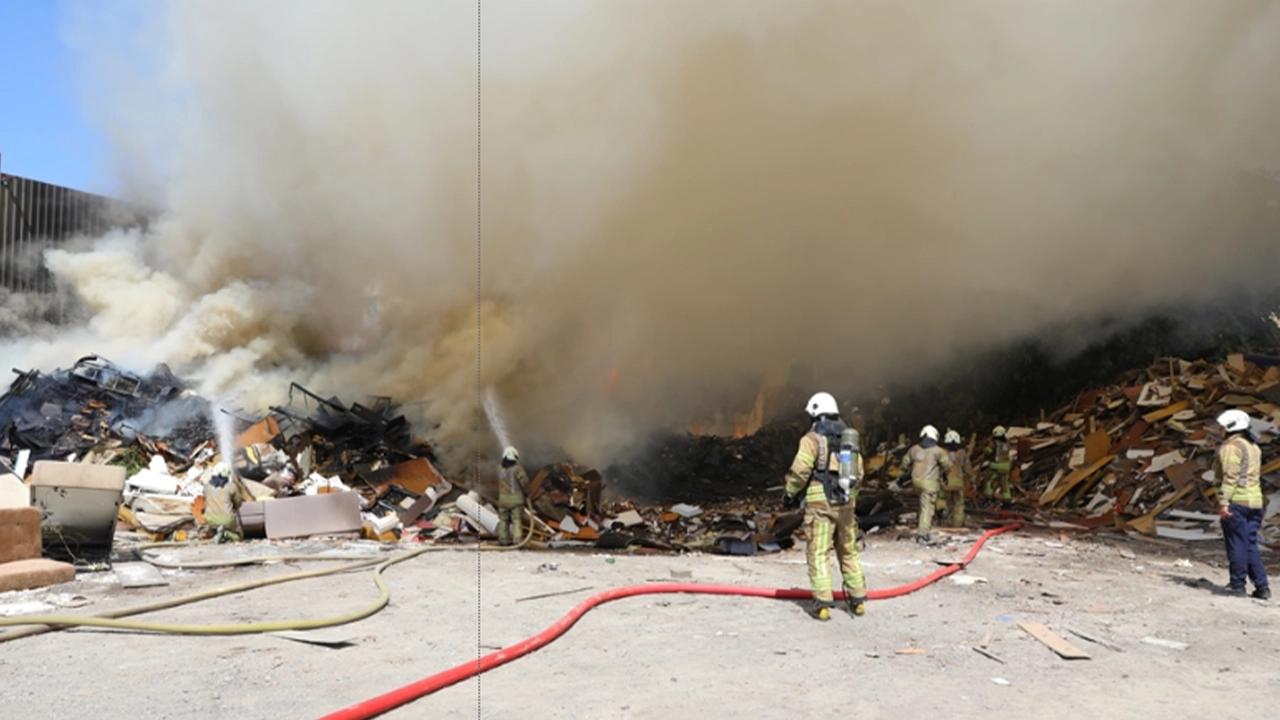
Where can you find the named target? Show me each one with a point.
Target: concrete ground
(684, 655)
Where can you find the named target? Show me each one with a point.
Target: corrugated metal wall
(35, 215)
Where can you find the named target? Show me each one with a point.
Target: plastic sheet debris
(1168, 644)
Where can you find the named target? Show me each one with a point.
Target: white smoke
(679, 198)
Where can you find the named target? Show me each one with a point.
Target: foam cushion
(37, 573)
(19, 534)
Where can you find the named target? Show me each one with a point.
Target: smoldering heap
(71, 411)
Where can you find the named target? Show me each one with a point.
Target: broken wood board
(988, 654)
(416, 476)
(1182, 474)
(1053, 641)
(259, 433)
(1091, 523)
(1096, 640)
(138, 575)
(1095, 446)
(1075, 478)
(1160, 462)
(1270, 467)
(1188, 534)
(1239, 400)
(911, 651)
(1166, 412)
(1131, 437)
(1147, 523)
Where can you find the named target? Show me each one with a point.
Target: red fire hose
(400, 696)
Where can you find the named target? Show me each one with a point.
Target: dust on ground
(687, 655)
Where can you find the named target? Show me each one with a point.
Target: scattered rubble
(1133, 456)
(322, 466)
(1138, 455)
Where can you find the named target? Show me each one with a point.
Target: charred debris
(320, 465)
(1133, 456)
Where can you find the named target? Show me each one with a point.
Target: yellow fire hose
(111, 619)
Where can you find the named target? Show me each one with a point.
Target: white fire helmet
(821, 404)
(998, 432)
(510, 454)
(1234, 420)
(930, 432)
(952, 437)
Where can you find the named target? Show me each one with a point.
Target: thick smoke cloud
(679, 199)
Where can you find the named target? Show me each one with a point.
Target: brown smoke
(678, 198)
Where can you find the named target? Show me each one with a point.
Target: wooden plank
(1182, 474)
(1069, 482)
(1053, 641)
(1131, 437)
(1095, 445)
(1096, 640)
(1270, 467)
(1166, 412)
(988, 654)
(1147, 523)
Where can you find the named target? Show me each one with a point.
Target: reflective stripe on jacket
(1240, 469)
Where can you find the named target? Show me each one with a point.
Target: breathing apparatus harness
(838, 485)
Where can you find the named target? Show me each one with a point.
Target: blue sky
(45, 132)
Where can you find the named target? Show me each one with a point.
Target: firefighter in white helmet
(999, 468)
(1240, 503)
(513, 485)
(823, 476)
(928, 464)
(957, 477)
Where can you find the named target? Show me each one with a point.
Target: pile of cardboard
(1139, 454)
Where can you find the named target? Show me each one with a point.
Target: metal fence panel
(36, 215)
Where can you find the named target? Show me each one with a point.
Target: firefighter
(1239, 464)
(928, 464)
(957, 477)
(223, 495)
(999, 467)
(513, 484)
(823, 477)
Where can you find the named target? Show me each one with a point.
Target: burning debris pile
(164, 439)
(1139, 455)
(709, 468)
(322, 466)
